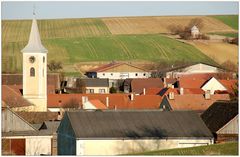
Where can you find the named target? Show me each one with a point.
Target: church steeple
(34, 42)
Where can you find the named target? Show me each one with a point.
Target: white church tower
(35, 70)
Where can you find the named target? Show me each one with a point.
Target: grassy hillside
(95, 39)
(230, 20)
(216, 149)
(107, 48)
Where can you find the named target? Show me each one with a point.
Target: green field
(230, 20)
(230, 148)
(107, 48)
(76, 40)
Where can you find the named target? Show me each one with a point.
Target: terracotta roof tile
(38, 117)
(229, 84)
(12, 97)
(137, 85)
(98, 104)
(195, 101)
(188, 82)
(119, 101)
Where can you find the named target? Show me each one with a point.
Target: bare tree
(54, 65)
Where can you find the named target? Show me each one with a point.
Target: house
(213, 85)
(56, 102)
(122, 132)
(194, 68)
(222, 120)
(195, 102)
(19, 137)
(89, 85)
(12, 98)
(195, 32)
(139, 85)
(118, 71)
(53, 81)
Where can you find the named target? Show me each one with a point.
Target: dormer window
(43, 59)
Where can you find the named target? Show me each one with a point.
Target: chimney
(107, 102)
(132, 96)
(115, 107)
(164, 82)
(84, 99)
(144, 91)
(181, 91)
(207, 95)
(171, 95)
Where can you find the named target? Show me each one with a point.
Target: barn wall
(11, 122)
(114, 147)
(66, 142)
(230, 128)
(38, 145)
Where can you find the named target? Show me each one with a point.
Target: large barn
(122, 132)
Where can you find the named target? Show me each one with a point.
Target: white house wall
(123, 75)
(38, 145)
(213, 85)
(230, 128)
(114, 147)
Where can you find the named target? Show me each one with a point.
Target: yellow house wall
(114, 147)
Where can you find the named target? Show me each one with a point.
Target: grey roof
(34, 43)
(93, 82)
(137, 124)
(219, 114)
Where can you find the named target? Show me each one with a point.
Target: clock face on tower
(32, 59)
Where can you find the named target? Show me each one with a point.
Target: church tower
(35, 70)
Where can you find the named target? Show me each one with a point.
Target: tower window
(32, 72)
(43, 59)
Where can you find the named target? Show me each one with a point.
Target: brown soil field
(151, 25)
(218, 51)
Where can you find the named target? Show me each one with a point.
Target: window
(136, 74)
(144, 74)
(101, 90)
(89, 90)
(103, 74)
(111, 74)
(32, 72)
(43, 59)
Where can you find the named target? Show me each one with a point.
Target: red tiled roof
(119, 101)
(137, 85)
(195, 101)
(109, 66)
(98, 104)
(153, 91)
(12, 97)
(193, 91)
(229, 84)
(188, 82)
